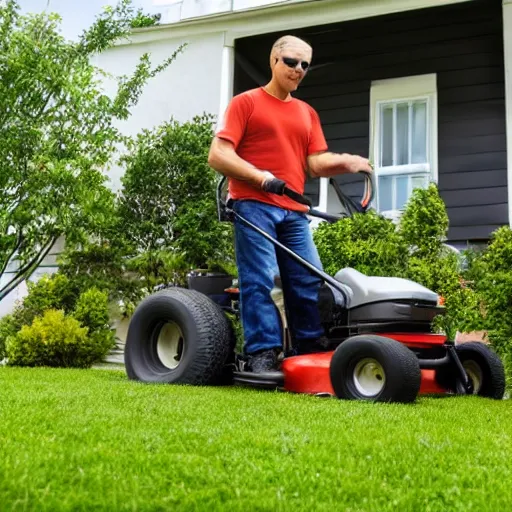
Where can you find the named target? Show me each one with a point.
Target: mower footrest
(264, 380)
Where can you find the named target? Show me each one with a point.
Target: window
(404, 138)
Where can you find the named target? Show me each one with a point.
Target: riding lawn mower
(382, 346)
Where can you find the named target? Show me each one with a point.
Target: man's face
(290, 64)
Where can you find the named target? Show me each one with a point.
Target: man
(268, 134)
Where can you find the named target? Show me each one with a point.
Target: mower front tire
(178, 336)
(375, 368)
(483, 367)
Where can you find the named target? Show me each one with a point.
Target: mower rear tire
(483, 367)
(178, 336)
(375, 368)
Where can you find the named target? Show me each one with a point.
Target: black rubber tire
(402, 374)
(206, 342)
(479, 360)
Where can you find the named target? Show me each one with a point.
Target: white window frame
(411, 88)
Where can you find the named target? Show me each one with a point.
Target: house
(423, 87)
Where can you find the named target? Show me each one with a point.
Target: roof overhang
(286, 15)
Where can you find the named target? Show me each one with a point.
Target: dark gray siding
(463, 44)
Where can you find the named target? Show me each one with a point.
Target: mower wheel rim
(475, 374)
(369, 377)
(170, 345)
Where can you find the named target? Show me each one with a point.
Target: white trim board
(507, 47)
(226, 79)
(281, 16)
(408, 87)
(403, 89)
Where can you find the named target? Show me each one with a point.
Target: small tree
(424, 223)
(57, 132)
(168, 200)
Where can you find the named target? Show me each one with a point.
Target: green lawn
(92, 440)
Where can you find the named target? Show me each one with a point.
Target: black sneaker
(261, 371)
(263, 361)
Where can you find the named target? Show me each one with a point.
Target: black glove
(274, 186)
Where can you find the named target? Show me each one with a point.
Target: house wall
(189, 86)
(463, 45)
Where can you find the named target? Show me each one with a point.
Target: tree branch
(16, 247)
(26, 271)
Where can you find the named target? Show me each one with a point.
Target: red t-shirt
(273, 135)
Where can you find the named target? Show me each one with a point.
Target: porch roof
(285, 15)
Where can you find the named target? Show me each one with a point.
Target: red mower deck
(310, 373)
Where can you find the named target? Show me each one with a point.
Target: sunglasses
(292, 63)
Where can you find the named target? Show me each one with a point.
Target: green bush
(498, 256)
(56, 292)
(168, 196)
(49, 292)
(155, 267)
(92, 311)
(492, 273)
(103, 265)
(53, 339)
(424, 222)
(8, 327)
(367, 242)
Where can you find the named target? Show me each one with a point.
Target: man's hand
(272, 184)
(355, 163)
(266, 176)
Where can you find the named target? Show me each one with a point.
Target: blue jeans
(259, 261)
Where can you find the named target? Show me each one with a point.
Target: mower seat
(370, 289)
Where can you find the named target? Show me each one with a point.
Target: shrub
(168, 195)
(91, 310)
(368, 243)
(498, 256)
(52, 339)
(493, 282)
(156, 267)
(423, 227)
(8, 327)
(55, 292)
(101, 265)
(49, 292)
(424, 222)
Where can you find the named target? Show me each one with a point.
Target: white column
(507, 45)
(323, 194)
(226, 79)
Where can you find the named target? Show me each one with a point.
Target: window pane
(385, 193)
(419, 133)
(402, 134)
(402, 191)
(386, 125)
(419, 181)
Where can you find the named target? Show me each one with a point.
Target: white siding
(189, 87)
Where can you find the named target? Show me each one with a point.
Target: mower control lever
(277, 186)
(274, 186)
